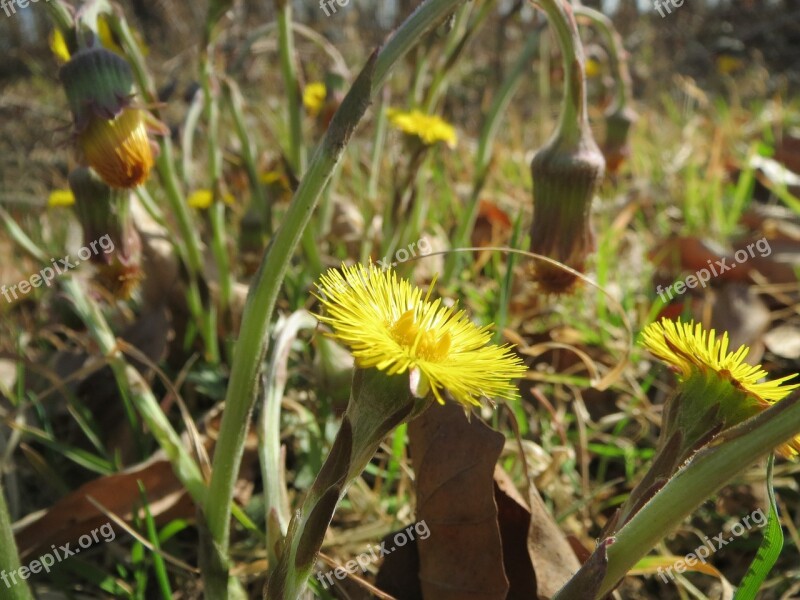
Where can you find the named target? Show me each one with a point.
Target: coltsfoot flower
(118, 149)
(391, 325)
(111, 134)
(314, 95)
(711, 375)
(428, 128)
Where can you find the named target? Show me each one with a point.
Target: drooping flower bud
(565, 180)
(567, 171)
(108, 231)
(616, 147)
(111, 135)
(98, 84)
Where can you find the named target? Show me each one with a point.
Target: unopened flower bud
(111, 135)
(108, 230)
(616, 148)
(565, 179)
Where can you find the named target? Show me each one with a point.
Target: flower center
(407, 333)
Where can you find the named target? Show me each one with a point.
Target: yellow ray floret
(389, 325)
(118, 149)
(692, 351)
(688, 347)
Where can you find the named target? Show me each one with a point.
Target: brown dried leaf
(454, 460)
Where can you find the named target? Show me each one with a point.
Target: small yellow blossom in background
(201, 199)
(314, 96)
(389, 325)
(60, 198)
(727, 64)
(269, 177)
(428, 128)
(592, 68)
(694, 352)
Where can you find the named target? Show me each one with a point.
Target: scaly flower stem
(616, 52)
(219, 243)
(573, 107)
(378, 403)
(134, 387)
(276, 502)
(131, 384)
(710, 469)
(251, 346)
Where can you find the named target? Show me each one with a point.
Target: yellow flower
(118, 149)
(59, 46)
(60, 198)
(389, 325)
(314, 96)
(202, 199)
(429, 128)
(696, 353)
(593, 68)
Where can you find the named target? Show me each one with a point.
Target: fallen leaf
(454, 460)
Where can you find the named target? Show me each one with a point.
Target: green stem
(573, 106)
(15, 589)
(249, 153)
(617, 55)
(710, 469)
(132, 385)
(219, 244)
(263, 294)
(287, 55)
(378, 403)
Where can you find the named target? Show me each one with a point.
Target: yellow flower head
(389, 325)
(692, 352)
(593, 68)
(60, 198)
(118, 149)
(202, 199)
(428, 128)
(314, 96)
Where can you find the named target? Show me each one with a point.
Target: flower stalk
(378, 403)
(568, 170)
(723, 418)
(710, 469)
(620, 116)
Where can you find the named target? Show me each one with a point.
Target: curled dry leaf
(454, 460)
